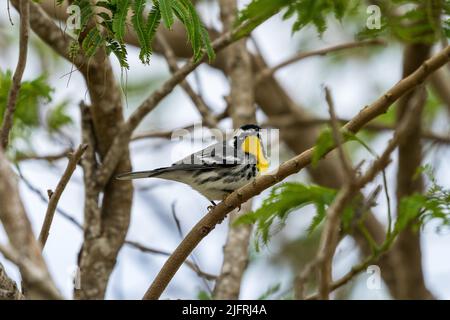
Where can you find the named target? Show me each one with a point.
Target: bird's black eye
(258, 135)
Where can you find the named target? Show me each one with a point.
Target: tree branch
(219, 212)
(17, 78)
(54, 197)
(188, 263)
(8, 287)
(289, 122)
(38, 279)
(269, 71)
(47, 157)
(20, 234)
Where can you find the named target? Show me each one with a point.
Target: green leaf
(350, 136)
(32, 95)
(257, 12)
(145, 31)
(283, 200)
(193, 25)
(119, 50)
(58, 117)
(167, 12)
(317, 219)
(409, 209)
(323, 144)
(120, 19)
(270, 291)
(207, 43)
(203, 295)
(153, 21)
(92, 42)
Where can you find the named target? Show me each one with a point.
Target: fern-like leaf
(92, 42)
(120, 19)
(167, 12)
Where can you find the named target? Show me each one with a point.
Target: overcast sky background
(354, 83)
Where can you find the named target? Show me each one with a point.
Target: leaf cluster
(33, 94)
(105, 23)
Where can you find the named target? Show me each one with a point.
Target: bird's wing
(221, 153)
(169, 170)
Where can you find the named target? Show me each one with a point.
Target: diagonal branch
(294, 165)
(290, 122)
(17, 78)
(54, 196)
(20, 234)
(269, 71)
(36, 277)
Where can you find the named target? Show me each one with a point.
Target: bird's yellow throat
(253, 146)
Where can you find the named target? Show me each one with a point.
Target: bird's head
(248, 140)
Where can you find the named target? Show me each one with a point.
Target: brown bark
(20, 234)
(8, 287)
(99, 251)
(407, 250)
(13, 93)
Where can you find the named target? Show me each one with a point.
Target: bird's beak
(253, 146)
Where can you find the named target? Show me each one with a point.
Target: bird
(219, 169)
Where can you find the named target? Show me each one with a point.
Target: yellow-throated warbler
(219, 169)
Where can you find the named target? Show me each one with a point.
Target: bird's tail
(142, 174)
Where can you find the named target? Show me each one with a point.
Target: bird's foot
(213, 204)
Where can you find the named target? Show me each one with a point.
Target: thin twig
(265, 73)
(45, 199)
(337, 135)
(194, 260)
(294, 165)
(302, 277)
(287, 122)
(9, 13)
(54, 196)
(190, 264)
(17, 78)
(347, 277)
(48, 157)
(159, 134)
(388, 200)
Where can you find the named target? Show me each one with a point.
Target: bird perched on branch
(219, 169)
